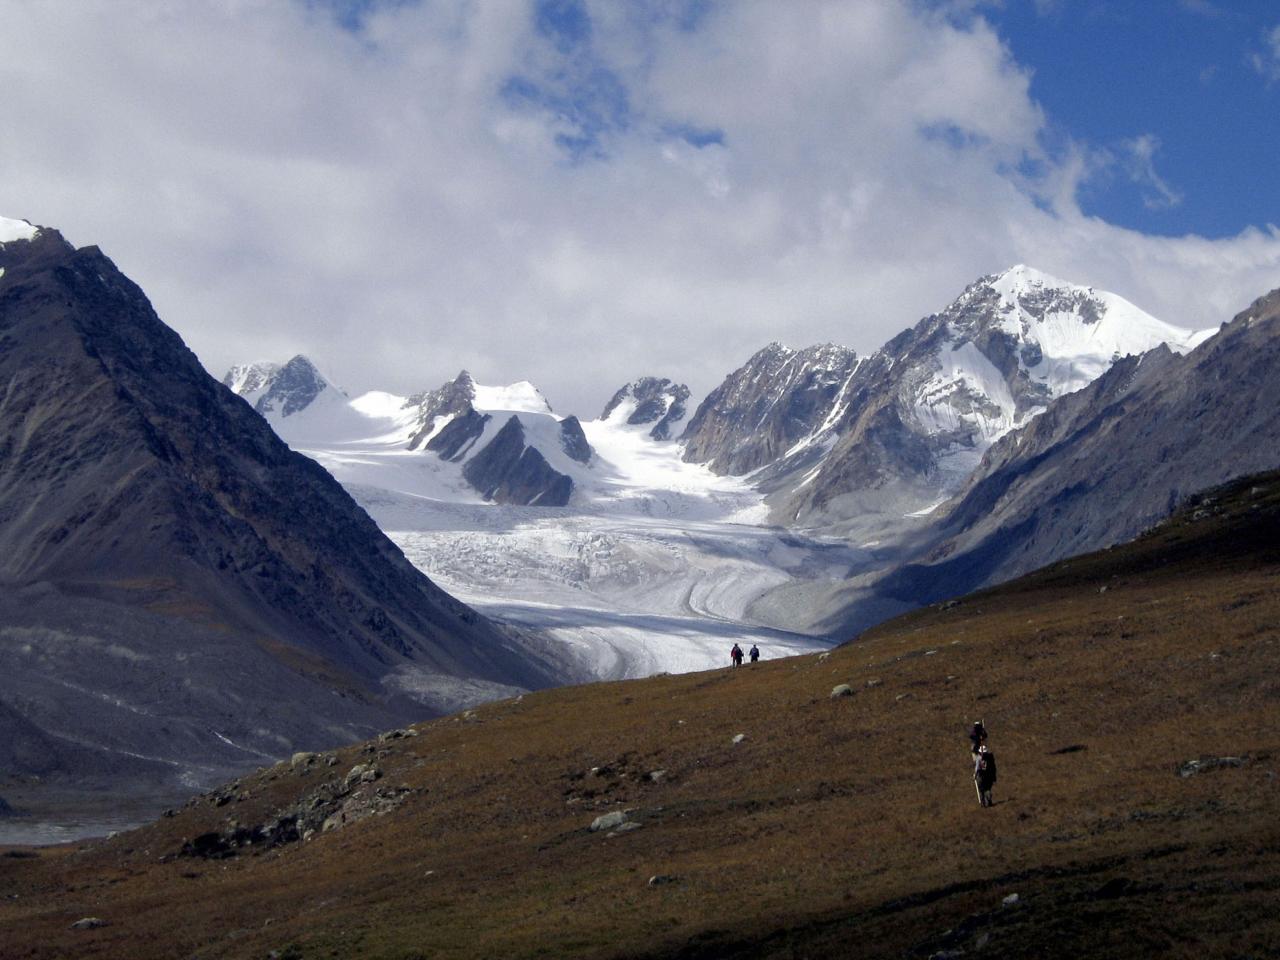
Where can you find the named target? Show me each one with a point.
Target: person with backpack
(755, 653)
(984, 775)
(736, 655)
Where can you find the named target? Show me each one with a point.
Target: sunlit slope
(835, 827)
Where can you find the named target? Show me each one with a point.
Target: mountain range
(185, 594)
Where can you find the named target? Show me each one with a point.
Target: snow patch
(11, 230)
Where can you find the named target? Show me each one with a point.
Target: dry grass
(837, 827)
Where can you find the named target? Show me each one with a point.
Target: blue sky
(1200, 80)
(581, 192)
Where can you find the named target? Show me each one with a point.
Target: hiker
(755, 653)
(977, 738)
(736, 655)
(984, 775)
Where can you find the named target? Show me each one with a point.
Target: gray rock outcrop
(450, 400)
(508, 470)
(778, 397)
(657, 401)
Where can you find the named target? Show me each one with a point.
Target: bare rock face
(174, 581)
(458, 435)
(653, 400)
(285, 389)
(507, 470)
(777, 398)
(573, 441)
(453, 399)
(1101, 465)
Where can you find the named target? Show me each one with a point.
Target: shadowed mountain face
(1101, 465)
(152, 525)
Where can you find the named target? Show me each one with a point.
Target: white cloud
(1139, 162)
(278, 184)
(1267, 61)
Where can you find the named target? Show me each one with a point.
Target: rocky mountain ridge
(179, 586)
(900, 430)
(1101, 465)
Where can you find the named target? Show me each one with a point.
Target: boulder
(841, 690)
(609, 821)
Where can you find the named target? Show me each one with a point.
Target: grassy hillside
(835, 827)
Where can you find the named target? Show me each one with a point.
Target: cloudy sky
(580, 192)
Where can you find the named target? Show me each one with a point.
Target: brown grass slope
(837, 827)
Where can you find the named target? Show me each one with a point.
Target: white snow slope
(650, 568)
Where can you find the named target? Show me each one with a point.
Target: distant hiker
(755, 653)
(977, 738)
(984, 774)
(736, 655)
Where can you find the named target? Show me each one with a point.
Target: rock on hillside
(177, 583)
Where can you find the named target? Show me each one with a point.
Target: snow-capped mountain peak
(519, 397)
(280, 389)
(11, 230)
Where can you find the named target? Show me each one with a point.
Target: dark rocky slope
(178, 584)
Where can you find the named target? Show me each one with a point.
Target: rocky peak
(453, 399)
(16, 230)
(274, 388)
(778, 397)
(656, 400)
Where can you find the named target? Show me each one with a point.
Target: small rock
(1011, 900)
(1204, 764)
(873, 682)
(841, 690)
(822, 657)
(355, 773)
(88, 923)
(656, 776)
(739, 738)
(301, 759)
(628, 826)
(947, 954)
(930, 653)
(609, 821)
(370, 775)
(903, 696)
(658, 879)
(982, 941)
